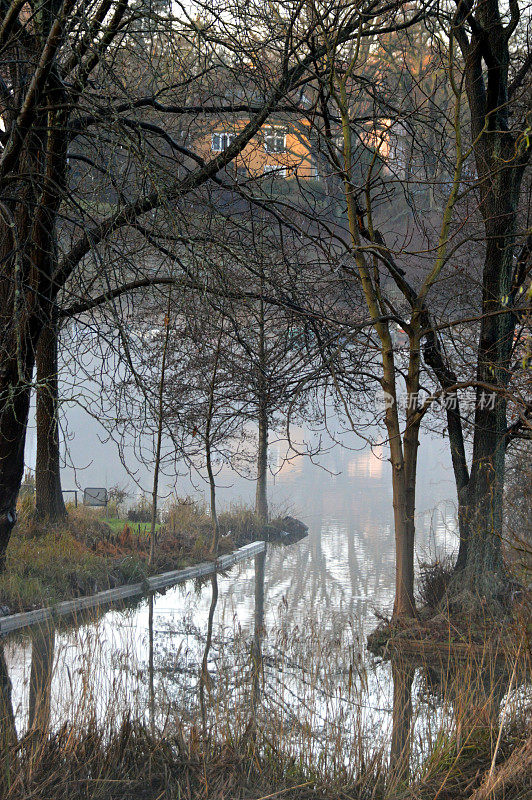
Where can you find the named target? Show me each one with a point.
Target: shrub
(240, 520)
(186, 515)
(141, 511)
(433, 581)
(117, 495)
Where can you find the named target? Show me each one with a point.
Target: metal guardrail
(165, 580)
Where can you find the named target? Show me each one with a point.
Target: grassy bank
(87, 553)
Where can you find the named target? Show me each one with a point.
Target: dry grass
(313, 734)
(49, 563)
(131, 763)
(433, 581)
(46, 567)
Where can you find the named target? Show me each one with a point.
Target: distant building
(281, 149)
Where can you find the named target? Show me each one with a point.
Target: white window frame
(224, 140)
(276, 135)
(276, 170)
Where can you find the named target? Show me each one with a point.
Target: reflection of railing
(164, 580)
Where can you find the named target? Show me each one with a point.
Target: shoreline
(164, 580)
(84, 556)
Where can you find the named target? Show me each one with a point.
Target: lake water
(307, 608)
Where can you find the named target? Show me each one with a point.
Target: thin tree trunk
(49, 503)
(261, 496)
(404, 604)
(160, 420)
(411, 445)
(208, 454)
(212, 496)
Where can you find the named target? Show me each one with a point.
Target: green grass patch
(117, 525)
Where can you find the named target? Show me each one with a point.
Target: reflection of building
(366, 464)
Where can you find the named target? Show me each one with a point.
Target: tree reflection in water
(42, 663)
(258, 632)
(308, 683)
(205, 678)
(8, 731)
(400, 747)
(151, 670)
(471, 683)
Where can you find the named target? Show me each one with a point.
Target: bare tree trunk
(410, 453)
(261, 497)
(411, 444)
(404, 604)
(17, 360)
(500, 166)
(447, 378)
(27, 257)
(49, 503)
(15, 401)
(480, 560)
(212, 494)
(208, 454)
(160, 420)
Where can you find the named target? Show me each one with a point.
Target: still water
(287, 637)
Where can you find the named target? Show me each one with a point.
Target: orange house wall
(296, 158)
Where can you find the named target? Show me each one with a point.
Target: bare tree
(48, 102)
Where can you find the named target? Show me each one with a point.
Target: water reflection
(204, 677)
(151, 669)
(403, 674)
(199, 653)
(461, 696)
(258, 631)
(474, 682)
(310, 690)
(40, 689)
(8, 732)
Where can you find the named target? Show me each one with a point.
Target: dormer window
(221, 141)
(274, 140)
